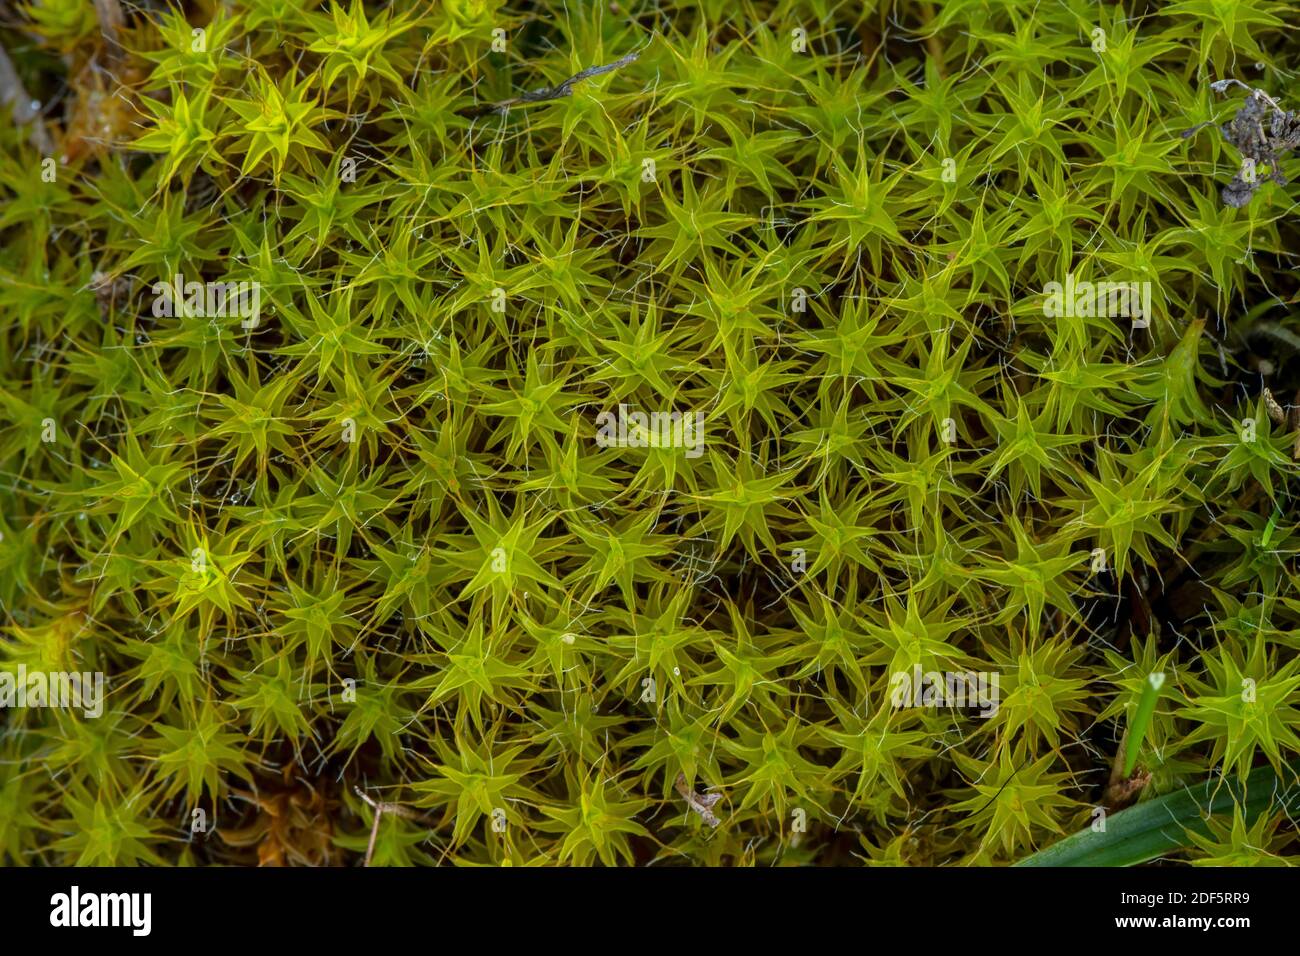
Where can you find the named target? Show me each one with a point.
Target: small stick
(554, 92)
(111, 22)
(1220, 85)
(380, 809)
(933, 45)
(12, 90)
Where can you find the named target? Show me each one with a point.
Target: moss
(448, 452)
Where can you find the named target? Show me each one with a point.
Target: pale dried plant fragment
(380, 809)
(1274, 410)
(701, 803)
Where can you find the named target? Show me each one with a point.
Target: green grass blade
(1137, 730)
(1156, 827)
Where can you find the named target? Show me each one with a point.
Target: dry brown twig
(111, 23)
